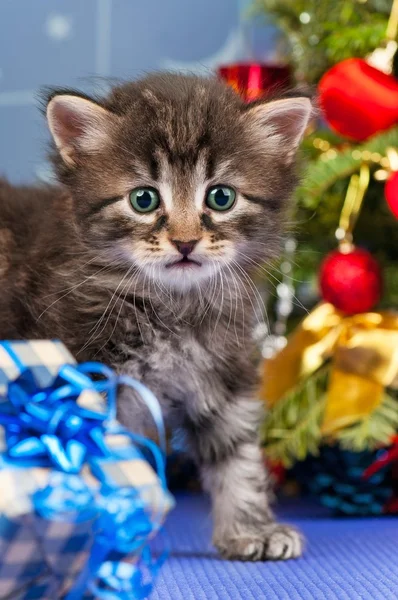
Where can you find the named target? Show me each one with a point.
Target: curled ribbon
(66, 497)
(363, 350)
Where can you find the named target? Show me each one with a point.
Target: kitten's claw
(277, 542)
(283, 542)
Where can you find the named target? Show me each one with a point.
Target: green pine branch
(292, 427)
(358, 40)
(374, 430)
(321, 174)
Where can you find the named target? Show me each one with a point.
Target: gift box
(80, 502)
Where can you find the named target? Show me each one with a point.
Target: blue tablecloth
(346, 559)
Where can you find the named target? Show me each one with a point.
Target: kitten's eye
(220, 198)
(144, 200)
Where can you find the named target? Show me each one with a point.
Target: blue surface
(346, 559)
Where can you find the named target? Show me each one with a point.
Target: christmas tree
(331, 390)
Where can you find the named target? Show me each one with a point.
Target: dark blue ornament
(335, 477)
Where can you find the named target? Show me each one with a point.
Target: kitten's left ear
(78, 125)
(281, 123)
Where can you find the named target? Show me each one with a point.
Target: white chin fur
(184, 278)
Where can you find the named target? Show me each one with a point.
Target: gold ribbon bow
(363, 350)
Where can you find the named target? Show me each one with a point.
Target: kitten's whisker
(230, 310)
(238, 287)
(277, 269)
(139, 271)
(262, 268)
(70, 290)
(204, 303)
(213, 290)
(160, 286)
(144, 298)
(256, 293)
(157, 315)
(236, 304)
(125, 287)
(105, 268)
(200, 296)
(93, 330)
(220, 305)
(258, 297)
(231, 298)
(95, 334)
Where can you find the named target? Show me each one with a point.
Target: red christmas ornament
(351, 282)
(254, 80)
(391, 193)
(276, 470)
(358, 100)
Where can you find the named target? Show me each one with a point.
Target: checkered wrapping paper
(39, 560)
(42, 358)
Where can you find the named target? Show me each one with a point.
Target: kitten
(171, 193)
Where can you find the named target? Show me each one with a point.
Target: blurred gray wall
(73, 42)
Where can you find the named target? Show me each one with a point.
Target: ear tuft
(282, 123)
(77, 124)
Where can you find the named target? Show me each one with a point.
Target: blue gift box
(80, 502)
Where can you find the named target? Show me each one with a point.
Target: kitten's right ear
(77, 125)
(280, 123)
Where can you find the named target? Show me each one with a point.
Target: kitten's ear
(77, 124)
(282, 123)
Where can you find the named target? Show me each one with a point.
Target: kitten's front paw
(277, 542)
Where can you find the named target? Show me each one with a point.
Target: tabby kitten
(171, 192)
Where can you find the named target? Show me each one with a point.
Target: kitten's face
(175, 176)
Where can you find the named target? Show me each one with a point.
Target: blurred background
(70, 43)
(339, 267)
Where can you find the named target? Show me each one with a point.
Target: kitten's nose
(185, 248)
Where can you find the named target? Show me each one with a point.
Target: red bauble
(351, 282)
(254, 80)
(391, 193)
(358, 100)
(276, 470)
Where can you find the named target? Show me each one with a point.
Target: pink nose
(185, 248)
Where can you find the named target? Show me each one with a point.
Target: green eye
(144, 200)
(220, 198)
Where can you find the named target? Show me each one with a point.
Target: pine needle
(292, 427)
(375, 430)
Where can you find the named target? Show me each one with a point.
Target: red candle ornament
(351, 282)
(254, 80)
(358, 100)
(391, 193)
